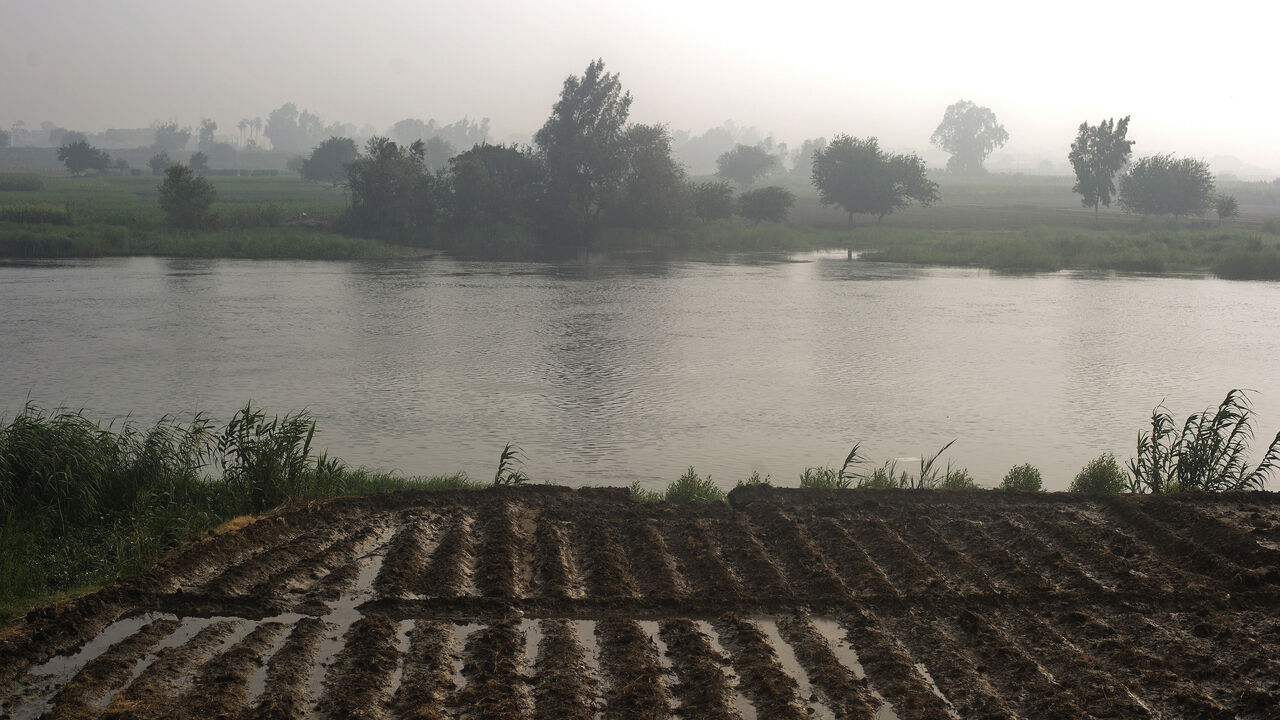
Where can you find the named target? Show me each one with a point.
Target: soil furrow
(500, 555)
(842, 690)
(154, 693)
(303, 575)
(751, 562)
(652, 564)
(602, 560)
(1050, 562)
(495, 688)
(358, 684)
(240, 578)
(221, 687)
(952, 669)
(80, 697)
(808, 571)
(633, 687)
(1212, 532)
(908, 572)
(554, 575)
(863, 577)
(564, 686)
(406, 558)
(448, 571)
(285, 696)
(701, 685)
(426, 684)
(890, 669)
(772, 691)
(951, 561)
(996, 562)
(1107, 563)
(1185, 553)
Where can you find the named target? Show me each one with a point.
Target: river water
(609, 372)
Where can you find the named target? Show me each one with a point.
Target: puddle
(650, 628)
(844, 652)
(790, 664)
(460, 635)
(740, 701)
(403, 628)
(532, 632)
(924, 673)
(256, 683)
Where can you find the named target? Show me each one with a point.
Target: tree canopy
(495, 184)
(81, 157)
(859, 177)
(159, 163)
(969, 132)
(770, 203)
(1163, 185)
(185, 198)
(651, 191)
(392, 194)
(1097, 154)
(744, 164)
(169, 138)
(328, 161)
(581, 146)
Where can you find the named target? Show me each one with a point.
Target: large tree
(770, 203)
(744, 164)
(328, 161)
(651, 192)
(1163, 185)
(81, 157)
(494, 184)
(969, 132)
(293, 131)
(1098, 153)
(170, 138)
(859, 177)
(392, 193)
(581, 144)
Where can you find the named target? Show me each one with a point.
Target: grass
(31, 241)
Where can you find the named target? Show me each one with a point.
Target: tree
(745, 163)
(651, 192)
(713, 200)
(199, 162)
(206, 137)
(1162, 185)
(392, 194)
(859, 177)
(494, 184)
(969, 133)
(291, 130)
(170, 138)
(770, 203)
(802, 159)
(581, 144)
(1097, 155)
(1226, 207)
(328, 161)
(159, 163)
(80, 157)
(186, 198)
(5, 138)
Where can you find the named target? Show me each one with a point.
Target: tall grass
(20, 182)
(1208, 454)
(35, 214)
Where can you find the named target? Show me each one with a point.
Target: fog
(1196, 79)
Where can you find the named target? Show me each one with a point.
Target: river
(612, 371)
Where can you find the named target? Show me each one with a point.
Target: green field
(998, 221)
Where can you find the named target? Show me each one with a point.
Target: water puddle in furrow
(740, 701)
(461, 633)
(586, 632)
(343, 613)
(257, 680)
(844, 652)
(924, 673)
(650, 628)
(787, 656)
(532, 638)
(403, 628)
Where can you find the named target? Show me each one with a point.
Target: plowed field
(554, 603)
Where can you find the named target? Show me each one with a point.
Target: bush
(770, 203)
(185, 198)
(1101, 475)
(35, 213)
(958, 480)
(1022, 477)
(824, 478)
(16, 182)
(693, 489)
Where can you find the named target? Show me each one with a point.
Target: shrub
(693, 489)
(185, 198)
(643, 495)
(17, 182)
(823, 478)
(1101, 475)
(957, 480)
(755, 480)
(1022, 477)
(770, 203)
(35, 213)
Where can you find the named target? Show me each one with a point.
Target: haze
(1195, 78)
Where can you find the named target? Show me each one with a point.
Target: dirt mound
(556, 603)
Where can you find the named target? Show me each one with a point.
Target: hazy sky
(1198, 78)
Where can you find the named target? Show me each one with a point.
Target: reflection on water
(610, 372)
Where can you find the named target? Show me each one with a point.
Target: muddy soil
(555, 603)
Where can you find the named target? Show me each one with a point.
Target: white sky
(1198, 78)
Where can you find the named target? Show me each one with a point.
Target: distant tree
(1162, 185)
(5, 138)
(494, 184)
(582, 146)
(1226, 207)
(745, 163)
(651, 191)
(206, 137)
(121, 165)
(437, 153)
(159, 163)
(969, 133)
(713, 200)
(770, 203)
(802, 158)
(81, 157)
(392, 194)
(291, 130)
(170, 138)
(328, 161)
(199, 163)
(59, 136)
(1097, 155)
(859, 177)
(185, 198)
